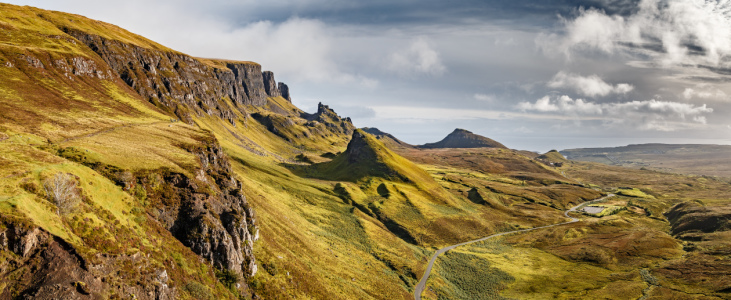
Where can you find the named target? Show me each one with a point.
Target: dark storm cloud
(394, 13)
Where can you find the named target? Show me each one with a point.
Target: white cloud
(704, 92)
(299, 49)
(590, 86)
(648, 114)
(669, 32)
(484, 97)
(563, 104)
(418, 58)
(542, 105)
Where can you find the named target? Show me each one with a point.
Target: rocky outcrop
(207, 213)
(270, 85)
(461, 138)
(325, 123)
(181, 84)
(332, 121)
(223, 223)
(359, 150)
(284, 91)
(47, 267)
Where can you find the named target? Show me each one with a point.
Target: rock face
(461, 138)
(208, 213)
(181, 84)
(284, 90)
(270, 85)
(54, 270)
(219, 227)
(359, 151)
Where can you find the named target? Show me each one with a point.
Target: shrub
(228, 278)
(63, 191)
(198, 290)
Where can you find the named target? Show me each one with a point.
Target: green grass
(468, 276)
(528, 273)
(633, 192)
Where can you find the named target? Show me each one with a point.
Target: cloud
(648, 114)
(419, 58)
(484, 97)
(590, 86)
(301, 49)
(703, 92)
(563, 104)
(669, 32)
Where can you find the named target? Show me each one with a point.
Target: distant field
(712, 160)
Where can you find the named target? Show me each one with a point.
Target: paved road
(422, 283)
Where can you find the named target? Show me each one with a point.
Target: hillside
(711, 160)
(386, 138)
(129, 170)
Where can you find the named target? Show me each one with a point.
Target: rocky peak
(359, 150)
(461, 138)
(323, 109)
(270, 85)
(284, 90)
(332, 121)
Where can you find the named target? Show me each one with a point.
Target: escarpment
(184, 85)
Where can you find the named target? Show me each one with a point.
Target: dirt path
(422, 283)
(110, 129)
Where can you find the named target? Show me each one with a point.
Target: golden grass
(142, 146)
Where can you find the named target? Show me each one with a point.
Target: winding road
(422, 283)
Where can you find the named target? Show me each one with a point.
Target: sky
(533, 75)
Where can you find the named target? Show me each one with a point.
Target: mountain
(460, 138)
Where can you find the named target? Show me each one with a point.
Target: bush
(228, 278)
(63, 191)
(198, 291)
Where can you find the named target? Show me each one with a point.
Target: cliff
(184, 85)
